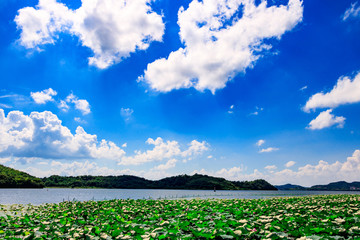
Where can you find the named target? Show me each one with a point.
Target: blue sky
(239, 89)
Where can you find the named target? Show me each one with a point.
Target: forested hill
(338, 186)
(334, 186)
(196, 181)
(11, 178)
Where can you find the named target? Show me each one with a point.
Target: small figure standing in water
(214, 189)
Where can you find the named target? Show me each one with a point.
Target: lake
(56, 195)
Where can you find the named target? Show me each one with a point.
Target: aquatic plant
(315, 217)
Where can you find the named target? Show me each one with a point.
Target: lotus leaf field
(315, 217)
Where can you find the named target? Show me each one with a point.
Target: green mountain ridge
(290, 187)
(334, 186)
(196, 181)
(338, 186)
(11, 178)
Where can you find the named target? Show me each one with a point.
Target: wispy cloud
(303, 88)
(268, 150)
(260, 142)
(352, 12)
(126, 113)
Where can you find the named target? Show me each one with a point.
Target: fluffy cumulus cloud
(352, 12)
(345, 91)
(42, 135)
(233, 173)
(221, 39)
(321, 173)
(163, 150)
(169, 164)
(76, 168)
(325, 120)
(112, 29)
(80, 104)
(43, 96)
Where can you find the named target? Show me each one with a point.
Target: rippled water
(56, 195)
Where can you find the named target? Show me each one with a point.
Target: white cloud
(169, 164)
(344, 92)
(79, 120)
(42, 135)
(80, 104)
(164, 150)
(232, 172)
(326, 119)
(218, 45)
(260, 142)
(5, 160)
(270, 167)
(303, 88)
(290, 164)
(124, 145)
(352, 12)
(63, 106)
(77, 168)
(210, 156)
(43, 96)
(269, 149)
(112, 29)
(3, 105)
(322, 173)
(231, 109)
(258, 109)
(126, 113)
(308, 175)
(195, 148)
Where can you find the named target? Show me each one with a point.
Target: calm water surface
(56, 195)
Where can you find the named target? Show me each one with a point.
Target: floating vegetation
(315, 217)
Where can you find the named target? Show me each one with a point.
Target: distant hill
(338, 186)
(11, 178)
(197, 181)
(335, 186)
(290, 187)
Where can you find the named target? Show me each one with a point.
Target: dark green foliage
(196, 181)
(125, 181)
(11, 178)
(259, 184)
